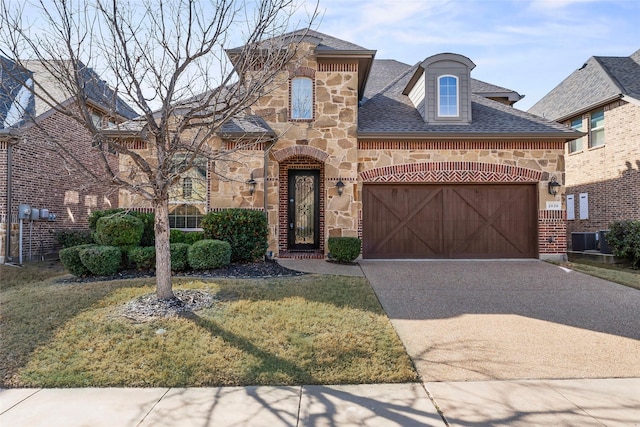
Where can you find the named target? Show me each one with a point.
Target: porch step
(301, 254)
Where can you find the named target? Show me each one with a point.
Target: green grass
(312, 329)
(612, 272)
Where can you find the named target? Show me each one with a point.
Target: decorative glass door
(304, 209)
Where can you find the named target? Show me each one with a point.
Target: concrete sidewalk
(558, 403)
(350, 405)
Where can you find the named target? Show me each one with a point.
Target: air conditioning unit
(581, 242)
(602, 239)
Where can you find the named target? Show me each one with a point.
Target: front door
(304, 209)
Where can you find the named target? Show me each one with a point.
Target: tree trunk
(163, 254)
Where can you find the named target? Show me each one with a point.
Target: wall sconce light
(252, 185)
(340, 186)
(553, 186)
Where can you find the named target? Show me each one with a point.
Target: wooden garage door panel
(407, 221)
(449, 221)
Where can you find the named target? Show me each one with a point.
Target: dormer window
(302, 98)
(448, 96)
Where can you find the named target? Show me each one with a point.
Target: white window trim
(575, 141)
(457, 96)
(311, 101)
(596, 129)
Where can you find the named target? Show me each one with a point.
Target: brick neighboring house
(601, 99)
(32, 173)
(421, 161)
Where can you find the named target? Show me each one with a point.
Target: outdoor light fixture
(340, 186)
(252, 184)
(553, 185)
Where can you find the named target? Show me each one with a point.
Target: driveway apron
(507, 320)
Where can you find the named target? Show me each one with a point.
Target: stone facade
(609, 173)
(329, 143)
(41, 179)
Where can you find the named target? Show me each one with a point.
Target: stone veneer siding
(609, 174)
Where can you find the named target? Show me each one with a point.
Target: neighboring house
(32, 173)
(601, 99)
(420, 161)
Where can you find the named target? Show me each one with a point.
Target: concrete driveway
(509, 320)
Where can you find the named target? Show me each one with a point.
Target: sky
(529, 46)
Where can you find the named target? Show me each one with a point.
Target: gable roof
(14, 97)
(599, 81)
(387, 112)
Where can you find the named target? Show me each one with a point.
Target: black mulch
(254, 270)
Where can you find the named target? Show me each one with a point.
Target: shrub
(70, 258)
(245, 230)
(344, 249)
(96, 215)
(119, 230)
(148, 220)
(177, 236)
(148, 235)
(208, 253)
(101, 260)
(70, 238)
(193, 236)
(142, 257)
(624, 239)
(179, 256)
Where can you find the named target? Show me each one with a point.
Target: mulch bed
(253, 270)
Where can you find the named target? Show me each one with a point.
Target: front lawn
(612, 272)
(311, 329)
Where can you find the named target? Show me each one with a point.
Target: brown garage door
(449, 221)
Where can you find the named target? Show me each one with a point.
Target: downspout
(7, 253)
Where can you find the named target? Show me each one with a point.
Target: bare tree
(170, 59)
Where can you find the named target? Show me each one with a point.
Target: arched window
(185, 216)
(448, 96)
(301, 98)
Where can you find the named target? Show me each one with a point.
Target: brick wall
(609, 174)
(42, 179)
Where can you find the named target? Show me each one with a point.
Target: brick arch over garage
(451, 172)
(300, 150)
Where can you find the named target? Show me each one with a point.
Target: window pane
(597, 128)
(301, 98)
(576, 145)
(447, 96)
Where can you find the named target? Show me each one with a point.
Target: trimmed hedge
(148, 236)
(179, 256)
(193, 236)
(245, 230)
(70, 258)
(207, 254)
(70, 238)
(624, 239)
(344, 249)
(142, 257)
(101, 260)
(177, 236)
(119, 230)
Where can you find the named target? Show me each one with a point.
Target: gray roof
(13, 78)
(324, 42)
(600, 80)
(385, 71)
(390, 112)
(246, 125)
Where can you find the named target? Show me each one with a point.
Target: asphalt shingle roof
(11, 77)
(600, 79)
(325, 41)
(389, 111)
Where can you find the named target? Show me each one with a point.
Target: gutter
(551, 136)
(588, 108)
